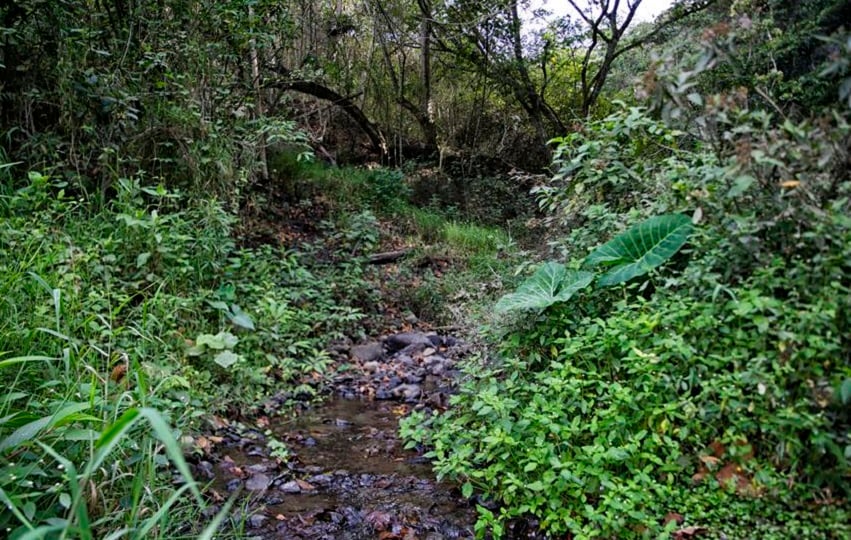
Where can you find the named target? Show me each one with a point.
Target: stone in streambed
(408, 392)
(258, 482)
(290, 487)
(368, 352)
(401, 341)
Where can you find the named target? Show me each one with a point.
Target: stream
(346, 474)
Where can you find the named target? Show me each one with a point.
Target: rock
(436, 341)
(409, 392)
(320, 479)
(368, 352)
(414, 349)
(258, 482)
(233, 484)
(291, 487)
(256, 521)
(205, 468)
(341, 423)
(383, 394)
(404, 360)
(398, 342)
(371, 367)
(257, 468)
(411, 318)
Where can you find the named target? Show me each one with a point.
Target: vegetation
(649, 222)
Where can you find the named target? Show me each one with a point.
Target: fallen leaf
(688, 532)
(305, 486)
(379, 520)
(673, 516)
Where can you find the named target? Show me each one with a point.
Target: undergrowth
(709, 396)
(142, 310)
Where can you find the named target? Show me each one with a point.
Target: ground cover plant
(107, 317)
(702, 396)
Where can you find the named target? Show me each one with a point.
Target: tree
(607, 23)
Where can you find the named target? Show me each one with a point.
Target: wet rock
(258, 482)
(411, 318)
(413, 379)
(233, 484)
(397, 342)
(290, 487)
(368, 352)
(256, 521)
(408, 392)
(205, 468)
(257, 468)
(341, 423)
(320, 479)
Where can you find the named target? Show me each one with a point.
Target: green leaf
(240, 318)
(550, 284)
(114, 434)
(142, 259)
(467, 490)
(845, 391)
(30, 430)
(222, 340)
(226, 359)
(641, 248)
(740, 185)
(22, 359)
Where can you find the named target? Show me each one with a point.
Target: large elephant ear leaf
(550, 284)
(641, 248)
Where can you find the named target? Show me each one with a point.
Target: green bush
(717, 387)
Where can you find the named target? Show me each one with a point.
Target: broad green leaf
(641, 248)
(222, 340)
(740, 185)
(142, 259)
(467, 490)
(550, 284)
(226, 359)
(240, 318)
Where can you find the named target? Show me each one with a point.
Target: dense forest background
(190, 191)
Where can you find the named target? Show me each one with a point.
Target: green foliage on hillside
(717, 386)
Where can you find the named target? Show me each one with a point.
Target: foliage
(145, 304)
(551, 284)
(641, 248)
(714, 391)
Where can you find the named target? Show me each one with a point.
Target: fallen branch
(388, 256)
